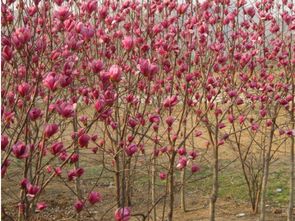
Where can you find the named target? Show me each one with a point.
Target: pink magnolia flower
(35, 113)
(170, 120)
(50, 130)
(132, 122)
(74, 158)
(182, 162)
(94, 197)
(87, 31)
(193, 154)
(57, 171)
(83, 140)
(254, 126)
(164, 149)
(290, 132)
(181, 151)
(170, 101)
(41, 206)
(24, 182)
(115, 73)
(242, 119)
(75, 173)
(23, 89)
(99, 105)
(154, 118)
(32, 190)
(51, 81)
(268, 122)
(147, 69)
(21, 36)
(4, 167)
(131, 149)
(231, 118)
(232, 93)
(127, 43)
(7, 53)
(4, 142)
(263, 112)
(221, 125)
(62, 13)
(162, 175)
(90, 6)
(56, 148)
(195, 168)
(20, 150)
(96, 66)
(66, 110)
(79, 205)
(182, 8)
(123, 214)
(250, 11)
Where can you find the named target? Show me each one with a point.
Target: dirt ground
(60, 208)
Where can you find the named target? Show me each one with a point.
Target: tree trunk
(117, 181)
(154, 188)
(214, 193)
(265, 174)
(292, 163)
(182, 193)
(292, 183)
(171, 188)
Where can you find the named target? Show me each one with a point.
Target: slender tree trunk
(171, 188)
(117, 181)
(265, 174)
(154, 188)
(292, 183)
(182, 190)
(214, 193)
(182, 193)
(292, 163)
(76, 164)
(128, 183)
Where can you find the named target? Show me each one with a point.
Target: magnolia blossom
(75, 173)
(20, 150)
(181, 151)
(170, 120)
(123, 214)
(56, 148)
(83, 140)
(32, 190)
(35, 113)
(41, 206)
(4, 142)
(94, 197)
(97, 66)
(195, 168)
(79, 205)
(115, 73)
(170, 101)
(50, 130)
(127, 43)
(131, 149)
(182, 162)
(51, 81)
(66, 110)
(147, 69)
(162, 175)
(193, 154)
(23, 89)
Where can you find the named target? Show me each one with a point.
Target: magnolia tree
(130, 89)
